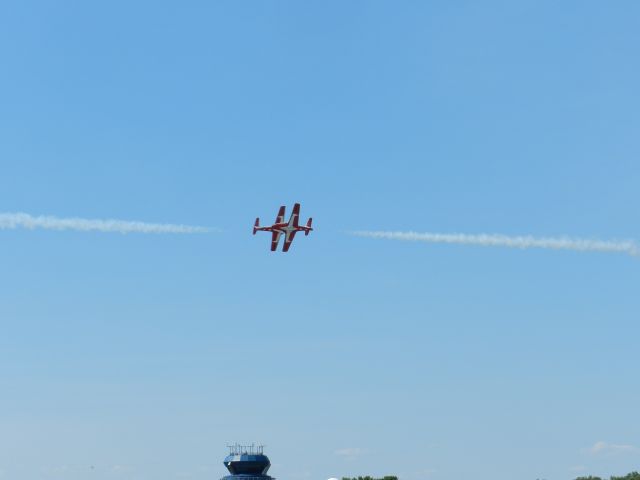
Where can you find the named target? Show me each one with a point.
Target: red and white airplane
(281, 227)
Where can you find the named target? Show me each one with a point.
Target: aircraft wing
(280, 217)
(275, 238)
(287, 241)
(295, 215)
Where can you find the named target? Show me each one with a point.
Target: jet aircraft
(280, 227)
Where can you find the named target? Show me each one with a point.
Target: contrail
(628, 247)
(12, 221)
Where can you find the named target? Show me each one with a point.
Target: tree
(392, 477)
(628, 476)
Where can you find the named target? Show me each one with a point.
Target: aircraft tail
(256, 225)
(308, 227)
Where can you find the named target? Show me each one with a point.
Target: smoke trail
(492, 240)
(12, 221)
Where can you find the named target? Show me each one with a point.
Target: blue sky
(144, 355)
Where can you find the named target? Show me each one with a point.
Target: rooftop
(252, 449)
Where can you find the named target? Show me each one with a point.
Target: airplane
(289, 229)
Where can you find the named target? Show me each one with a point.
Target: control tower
(247, 462)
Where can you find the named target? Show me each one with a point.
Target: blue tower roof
(247, 462)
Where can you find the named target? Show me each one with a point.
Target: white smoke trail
(12, 221)
(494, 240)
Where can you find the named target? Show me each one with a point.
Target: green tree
(386, 477)
(628, 476)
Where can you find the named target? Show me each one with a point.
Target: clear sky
(145, 355)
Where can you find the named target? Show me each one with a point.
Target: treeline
(387, 477)
(628, 476)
